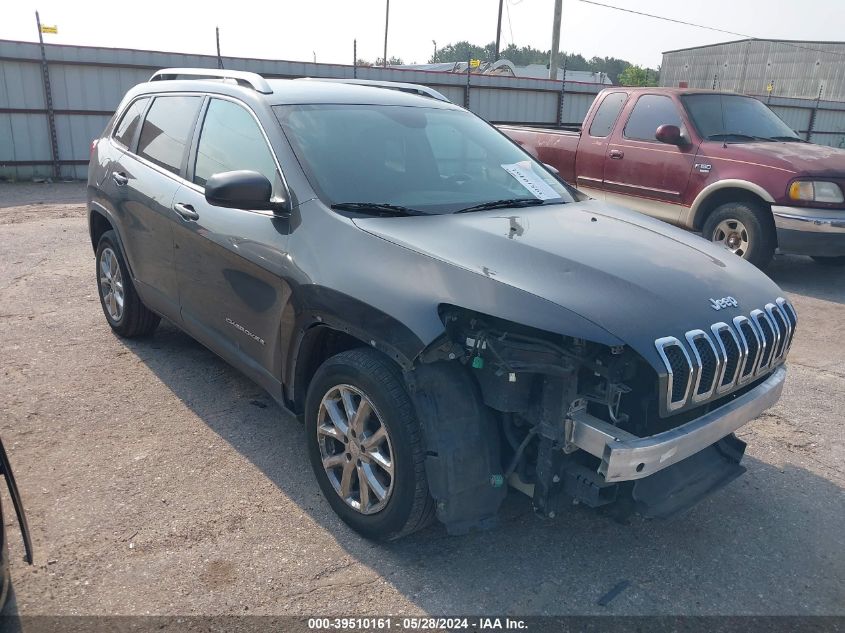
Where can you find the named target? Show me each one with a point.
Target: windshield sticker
(532, 181)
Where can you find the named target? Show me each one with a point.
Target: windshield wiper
(787, 139)
(503, 204)
(381, 208)
(723, 137)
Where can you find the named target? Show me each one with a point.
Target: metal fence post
(562, 94)
(466, 89)
(48, 97)
(813, 112)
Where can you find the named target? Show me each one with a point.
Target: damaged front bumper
(626, 457)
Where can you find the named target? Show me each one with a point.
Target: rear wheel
(122, 306)
(830, 261)
(365, 446)
(745, 229)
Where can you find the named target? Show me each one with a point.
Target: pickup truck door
(642, 173)
(592, 146)
(232, 264)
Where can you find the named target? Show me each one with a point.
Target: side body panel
(648, 176)
(232, 268)
(554, 147)
(143, 206)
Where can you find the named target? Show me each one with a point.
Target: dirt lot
(158, 480)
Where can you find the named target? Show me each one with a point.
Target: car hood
(801, 158)
(637, 278)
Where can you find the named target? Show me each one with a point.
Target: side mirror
(552, 169)
(243, 189)
(669, 134)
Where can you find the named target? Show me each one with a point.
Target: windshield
(721, 117)
(429, 160)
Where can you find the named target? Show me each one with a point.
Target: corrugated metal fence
(88, 83)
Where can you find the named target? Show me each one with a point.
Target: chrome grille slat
(766, 329)
(791, 320)
(728, 376)
(674, 376)
(706, 363)
(752, 352)
(700, 365)
(779, 329)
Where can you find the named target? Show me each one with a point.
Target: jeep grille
(713, 362)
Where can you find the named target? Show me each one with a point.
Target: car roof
(301, 91)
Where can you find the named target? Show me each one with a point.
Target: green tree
(638, 76)
(391, 61)
(462, 51)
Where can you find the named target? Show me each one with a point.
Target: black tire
(409, 506)
(759, 229)
(829, 261)
(136, 319)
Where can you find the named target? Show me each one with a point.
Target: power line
(708, 28)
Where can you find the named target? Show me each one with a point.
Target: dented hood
(636, 277)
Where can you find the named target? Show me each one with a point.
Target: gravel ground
(157, 480)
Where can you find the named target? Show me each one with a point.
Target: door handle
(616, 154)
(186, 211)
(119, 178)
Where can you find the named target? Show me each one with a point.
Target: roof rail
(251, 80)
(418, 89)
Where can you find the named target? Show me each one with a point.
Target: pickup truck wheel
(829, 261)
(365, 446)
(125, 313)
(743, 228)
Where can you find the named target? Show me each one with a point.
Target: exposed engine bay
(538, 393)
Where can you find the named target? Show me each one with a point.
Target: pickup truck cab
(719, 163)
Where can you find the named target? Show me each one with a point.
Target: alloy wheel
(355, 449)
(111, 284)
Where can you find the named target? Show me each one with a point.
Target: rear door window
(231, 139)
(167, 129)
(607, 114)
(124, 133)
(651, 112)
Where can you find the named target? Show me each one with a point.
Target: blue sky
(285, 29)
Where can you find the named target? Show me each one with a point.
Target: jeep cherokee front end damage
(566, 420)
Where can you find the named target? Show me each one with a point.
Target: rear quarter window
(167, 130)
(124, 132)
(606, 115)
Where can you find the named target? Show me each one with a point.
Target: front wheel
(829, 261)
(365, 446)
(744, 228)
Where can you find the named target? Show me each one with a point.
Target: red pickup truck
(719, 163)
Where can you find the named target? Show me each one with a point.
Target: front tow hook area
(682, 485)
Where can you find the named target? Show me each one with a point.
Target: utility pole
(219, 59)
(498, 32)
(434, 59)
(48, 98)
(386, 23)
(555, 40)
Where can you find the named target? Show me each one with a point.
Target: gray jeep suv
(450, 319)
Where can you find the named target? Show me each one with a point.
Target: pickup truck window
(735, 118)
(650, 113)
(231, 140)
(606, 115)
(430, 160)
